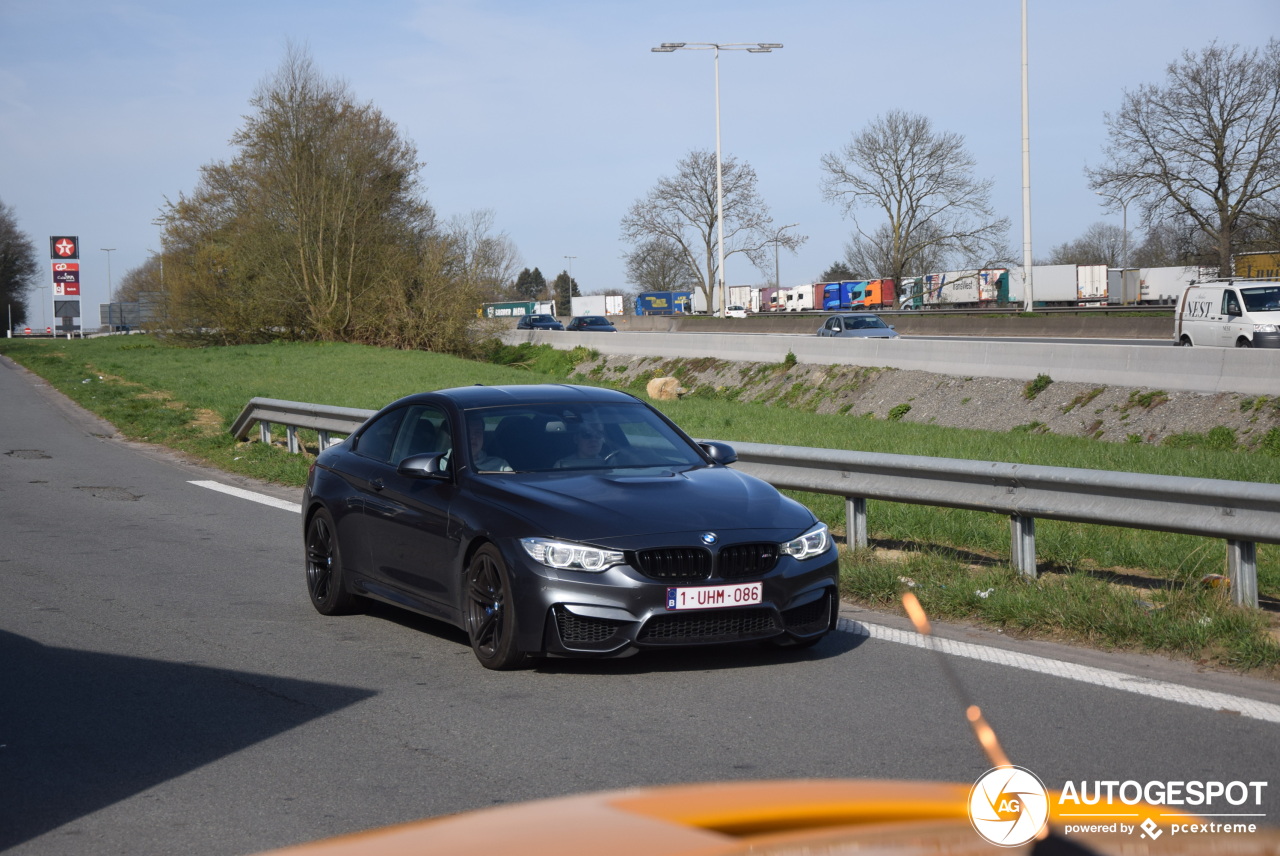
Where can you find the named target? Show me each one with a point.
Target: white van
(1240, 314)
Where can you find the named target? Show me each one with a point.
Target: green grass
(187, 398)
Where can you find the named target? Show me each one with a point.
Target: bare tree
(1204, 146)
(19, 266)
(1101, 244)
(489, 258)
(681, 210)
(872, 255)
(927, 208)
(660, 265)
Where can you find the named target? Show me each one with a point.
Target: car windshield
(1261, 299)
(864, 322)
(552, 437)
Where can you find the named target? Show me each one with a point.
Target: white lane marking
(250, 495)
(1088, 674)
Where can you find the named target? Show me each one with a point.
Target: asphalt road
(166, 687)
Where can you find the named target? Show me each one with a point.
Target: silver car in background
(858, 325)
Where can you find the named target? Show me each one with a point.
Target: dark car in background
(858, 325)
(538, 322)
(591, 324)
(563, 520)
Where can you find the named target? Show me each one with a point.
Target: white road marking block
(250, 495)
(1088, 674)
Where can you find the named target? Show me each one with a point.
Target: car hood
(604, 506)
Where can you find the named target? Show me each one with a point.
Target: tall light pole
(111, 298)
(1124, 219)
(1026, 174)
(749, 47)
(1124, 240)
(777, 237)
(569, 287)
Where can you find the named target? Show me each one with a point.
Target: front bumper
(616, 612)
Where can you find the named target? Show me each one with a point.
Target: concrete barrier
(1208, 370)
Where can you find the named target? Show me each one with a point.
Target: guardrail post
(855, 522)
(291, 436)
(264, 432)
(324, 440)
(1022, 549)
(1242, 570)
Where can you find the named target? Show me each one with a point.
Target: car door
(831, 328)
(407, 520)
(363, 472)
(1233, 323)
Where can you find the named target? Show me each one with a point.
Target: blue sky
(556, 116)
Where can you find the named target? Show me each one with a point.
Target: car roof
(536, 393)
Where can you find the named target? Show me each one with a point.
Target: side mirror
(428, 466)
(720, 453)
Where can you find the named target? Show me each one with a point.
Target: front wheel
(490, 613)
(1242, 342)
(324, 568)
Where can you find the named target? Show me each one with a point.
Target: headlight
(810, 544)
(1265, 328)
(564, 555)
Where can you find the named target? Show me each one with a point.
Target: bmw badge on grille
(709, 538)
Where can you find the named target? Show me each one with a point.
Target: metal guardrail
(322, 418)
(1243, 514)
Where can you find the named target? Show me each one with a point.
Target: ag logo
(1008, 806)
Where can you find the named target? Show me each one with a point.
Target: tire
(1242, 342)
(490, 618)
(1185, 342)
(325, 584)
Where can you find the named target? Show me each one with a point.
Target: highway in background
(169, 689)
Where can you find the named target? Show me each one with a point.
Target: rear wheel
(491, 619)
(324, 568)
(1185, 342)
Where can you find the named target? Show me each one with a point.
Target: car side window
(1230, 303)
(424, 431)
(378, 439)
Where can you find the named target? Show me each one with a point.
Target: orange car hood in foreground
(761, 818)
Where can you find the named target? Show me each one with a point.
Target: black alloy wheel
(324, 568)
(491, 621)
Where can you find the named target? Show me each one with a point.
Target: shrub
(1037, 386)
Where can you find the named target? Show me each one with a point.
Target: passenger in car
(480, 459)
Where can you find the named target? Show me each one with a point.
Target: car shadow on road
(82, 730)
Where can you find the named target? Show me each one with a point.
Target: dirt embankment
(1116, 414)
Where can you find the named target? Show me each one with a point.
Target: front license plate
(712, 597)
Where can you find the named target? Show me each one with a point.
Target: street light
(1124, 237)
(1124, 219)
(777, 236)
(569, 289)
(749, 47)
(111, 300)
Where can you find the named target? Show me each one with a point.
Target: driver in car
(589, 442)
